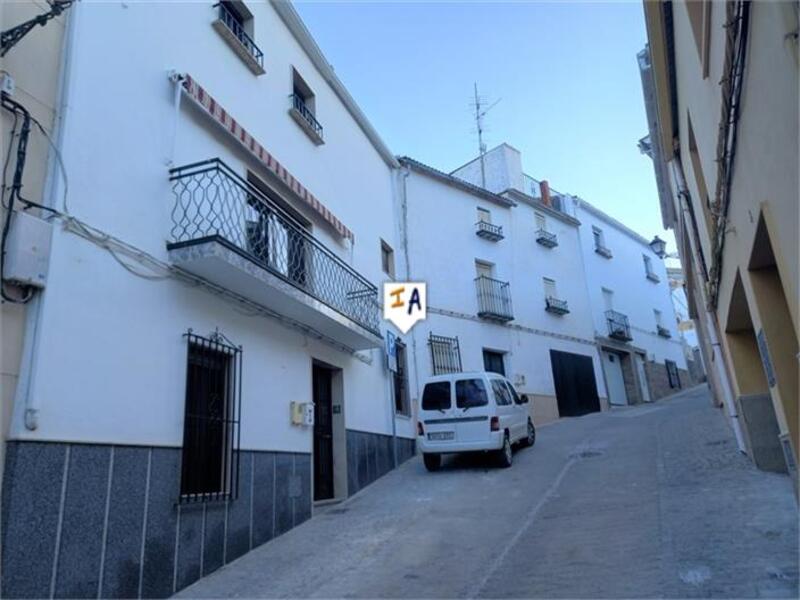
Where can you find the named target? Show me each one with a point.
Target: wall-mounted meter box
(302, 413)
(27, 250)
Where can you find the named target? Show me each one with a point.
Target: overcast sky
(565, 73)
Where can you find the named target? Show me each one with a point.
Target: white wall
(111, 358)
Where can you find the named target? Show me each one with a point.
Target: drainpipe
(404, 173)
(711, 323)
(25, 399)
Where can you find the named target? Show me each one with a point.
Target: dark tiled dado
(121, 532)
(370, 456)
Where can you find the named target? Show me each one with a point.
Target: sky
(565, 75)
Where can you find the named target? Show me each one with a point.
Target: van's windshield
(471, 393)
(436, 396)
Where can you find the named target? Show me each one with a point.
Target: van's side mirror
(524, 399)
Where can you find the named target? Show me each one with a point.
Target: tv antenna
(481, 108)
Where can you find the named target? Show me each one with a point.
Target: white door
(616, 384)
(642, 379)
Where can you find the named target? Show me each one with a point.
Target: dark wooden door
(576, 388)
(323, 434)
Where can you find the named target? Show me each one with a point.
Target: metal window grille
(494, 298)
(618, 326)
(235, 23)
(212, 202)
(445, 354)
(299, 104)
(211, 430)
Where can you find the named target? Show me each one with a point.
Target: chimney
(545, 187)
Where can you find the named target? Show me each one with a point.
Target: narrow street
(650, 501)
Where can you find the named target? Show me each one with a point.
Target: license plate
(441, 435)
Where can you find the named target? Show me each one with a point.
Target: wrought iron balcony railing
(556, 306)
(234, 25)
(546, 238)
(653, 277)
(488, 231)
(663, 331)
(299, 104)
(602, 251)
(494, 299)
(618, 326)
(213, 203)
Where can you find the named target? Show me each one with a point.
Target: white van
(472, 412)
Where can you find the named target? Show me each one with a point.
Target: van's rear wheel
(506, 456)
(530, 439)
(432, 461)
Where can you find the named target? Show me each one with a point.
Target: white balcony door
(608, 299)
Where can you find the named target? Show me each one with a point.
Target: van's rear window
(436, 396)
(470, 393)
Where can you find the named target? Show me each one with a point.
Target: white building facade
(633, 320)
(505, 291)
(213, 277)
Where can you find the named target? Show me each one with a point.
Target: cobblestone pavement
(649, 501)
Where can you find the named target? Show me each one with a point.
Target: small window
(235, 24)
(471, 393)
(436, 396)
(648, 265)
(494, 362)
(303, 108)
(484, 215)
(483, 269)
(550, 290)
(387, 259)
(210, 458)
(599, 238)
(501, 395)
(657, 315)
(401, 404)
(608, 299)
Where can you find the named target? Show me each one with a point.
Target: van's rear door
(437, 413)
(472, 410)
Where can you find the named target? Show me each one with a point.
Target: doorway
(576, 388)
(323, 432)
(612, 364)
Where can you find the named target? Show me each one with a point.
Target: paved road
(650, 501)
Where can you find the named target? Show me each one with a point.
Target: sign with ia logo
(404, 304)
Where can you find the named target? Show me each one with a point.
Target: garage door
(576, 388)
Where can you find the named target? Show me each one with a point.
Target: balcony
(494, 299)
(227, 232)
(602, 251)
(663, 332)
(618, 326)
(487, 231)
(653, 277)
(546, 239)
(229, 26)
(302, 114)
(556, 306)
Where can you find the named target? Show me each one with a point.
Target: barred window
(210, 460)
(401, 404)
(672, 374)
(445, 354)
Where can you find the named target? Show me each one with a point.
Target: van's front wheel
(506, 456)
(432, 461)
(530, 439)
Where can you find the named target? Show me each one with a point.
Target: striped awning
(207, 103)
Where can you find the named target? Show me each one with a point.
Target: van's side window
(514, 394)
(501, 395)
(470, 393)
(436, 396)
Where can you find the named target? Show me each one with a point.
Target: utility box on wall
(27, 250)
(302, 413)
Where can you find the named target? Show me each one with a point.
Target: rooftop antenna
(480, 111)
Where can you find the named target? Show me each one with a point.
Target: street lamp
(659, 246)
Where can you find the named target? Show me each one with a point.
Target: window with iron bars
(445, 354)
(672, 374)
(210, 458)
